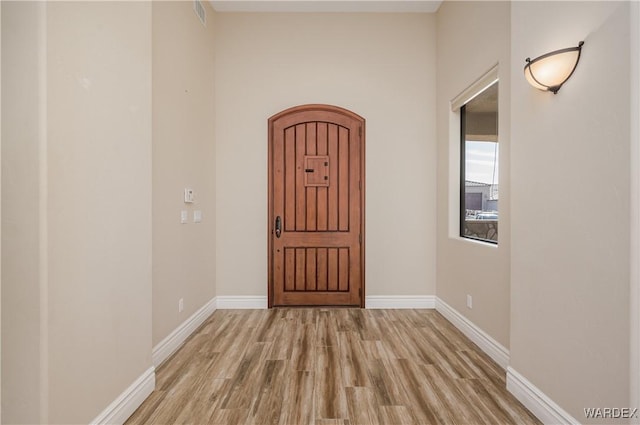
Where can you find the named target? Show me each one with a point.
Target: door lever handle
(278, 226)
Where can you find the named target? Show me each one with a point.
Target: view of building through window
(479, 166)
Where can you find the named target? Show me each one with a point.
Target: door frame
(270, 215)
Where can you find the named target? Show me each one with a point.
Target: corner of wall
(635, 208)
(0, 209)
(464, 267)
(24, 344)
(183, 157)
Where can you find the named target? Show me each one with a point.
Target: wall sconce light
(550, 71)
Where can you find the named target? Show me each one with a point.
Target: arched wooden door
(316, 207)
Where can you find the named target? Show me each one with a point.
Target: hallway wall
(465, 266)
(570, 284)
(76, 204)
(22, 114)
(183, 157)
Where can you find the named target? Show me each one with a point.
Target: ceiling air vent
(199, 9)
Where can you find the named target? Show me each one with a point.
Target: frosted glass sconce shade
(550, 71)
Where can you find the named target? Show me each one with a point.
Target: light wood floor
(330, 367)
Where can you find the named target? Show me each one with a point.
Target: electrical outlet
(180, 305)
(469, 301)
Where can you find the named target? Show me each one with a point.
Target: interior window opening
(479, 171)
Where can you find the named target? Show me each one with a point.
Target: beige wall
(634, 371)
(380, 66)
(463, 266)
(570, 282)
(22, 135)
(0, 212)
(77, 198)
(99, 203)
(183, 156)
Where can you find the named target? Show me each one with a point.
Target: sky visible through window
(481, 164)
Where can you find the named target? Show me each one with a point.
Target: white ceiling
(423, 6)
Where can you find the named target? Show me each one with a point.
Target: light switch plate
(188, 196)
(184, 216)
(197, 216)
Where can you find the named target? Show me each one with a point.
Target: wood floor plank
(482, 366)
(441, 349)
(241, 393)
(397, 415)
(228, 416)
(417, 399)
(354, 370)
(485, 406)
(330, 396)
(303, 353)
(515, 411)
(284, 339)
(326, 329)
(240, 341)
(267, 407)
(363, 408)
(332, 422)
(380, 384)
(201, 404)
(299, 393)
(394, 384)
(150, 405)
(325, 366)
(454, 401)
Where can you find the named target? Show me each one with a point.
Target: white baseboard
(127, 403)
(536, 401)
(175, 339)
(490, 346)
(400, 301)
(233, 302)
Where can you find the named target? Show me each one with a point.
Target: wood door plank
(301, 265)
(322, 192)
(334, 166)
(311, 279)
(343, 179)
(290, 268)
(311, 192)
(301, 193)
(333, 269)
(290, 179)
(322, 269)
(343, 269)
